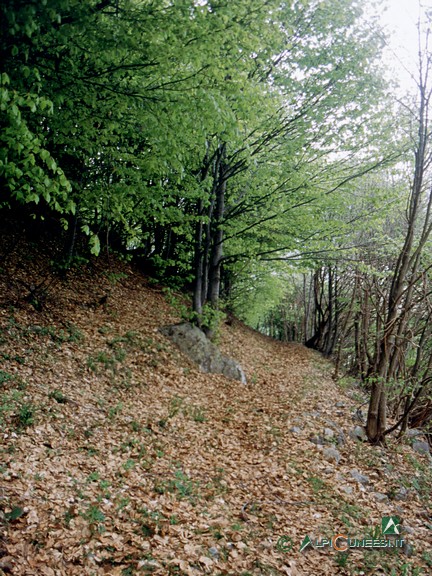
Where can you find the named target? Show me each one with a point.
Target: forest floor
(118, 456)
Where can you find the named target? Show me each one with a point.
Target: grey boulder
(421, 447)
(194, 343)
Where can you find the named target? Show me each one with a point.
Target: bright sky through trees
(400, 19)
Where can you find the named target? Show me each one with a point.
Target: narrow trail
(119, 457)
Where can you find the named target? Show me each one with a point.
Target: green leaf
(14, 514)
(94, 245)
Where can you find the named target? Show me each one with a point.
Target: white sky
(400, 18)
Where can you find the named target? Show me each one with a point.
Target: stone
(358, 416)
(330, 424)
(214, 552)
(361, 478)
(331, 454)
(340, 404)
(358, 433)
(295, 430)
(193, 342)
(347, 489)
(318, 440)
(341, 438)
(402, 494)
(408, 549)
(328, 433)
(421, 447)
(412, 432)
(380, 497)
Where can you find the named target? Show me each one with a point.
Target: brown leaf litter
(119, 457)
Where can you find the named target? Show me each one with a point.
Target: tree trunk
(217, 246)
(403, 275)
(208, 246)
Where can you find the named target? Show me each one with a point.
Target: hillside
(119, 457)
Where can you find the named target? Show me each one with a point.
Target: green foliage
(181, 485)
(211, 320)
(98, 130)
(198, 414)
(316, 483)
(15, 513)
(5, 377)
(59, 335)
(341, 559)
(95, 518)
(98, 122)
(16, 411)
(26, 415)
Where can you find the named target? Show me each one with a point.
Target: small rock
(331, 454)
(328, 433)
(340, 404)
(407, 530)
(401, 495)
(358, 416)
(380, 497)
(332, 424)
(407, 549)
(412, 432)
(318, 440)
(421, 447)
(341, 439)
(347, 489)
(295, 430)
(214, 552)
(358, 433)
(359, 477)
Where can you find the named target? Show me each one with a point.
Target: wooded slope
(119, 457)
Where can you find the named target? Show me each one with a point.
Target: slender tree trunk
(199, 265)
(403, 274)
(208, 246)
(217, 245)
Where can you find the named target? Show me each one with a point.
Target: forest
(252, 155)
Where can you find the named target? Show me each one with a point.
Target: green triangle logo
(306, 542)
(390, 525)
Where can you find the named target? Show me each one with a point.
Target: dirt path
(119, 457)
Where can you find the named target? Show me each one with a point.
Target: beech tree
(199, 135)
(281, 160)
